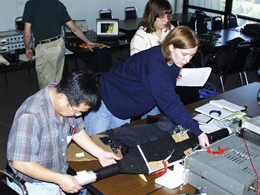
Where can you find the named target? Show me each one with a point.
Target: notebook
(107, 31)
(219, 109)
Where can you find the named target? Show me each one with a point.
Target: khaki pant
(50, 62)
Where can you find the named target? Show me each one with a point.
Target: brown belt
(49, 40)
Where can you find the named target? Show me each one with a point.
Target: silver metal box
(227, 173)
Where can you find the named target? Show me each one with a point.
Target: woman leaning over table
(145, 80)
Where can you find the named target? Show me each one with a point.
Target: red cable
(60, 190)
(252, 165)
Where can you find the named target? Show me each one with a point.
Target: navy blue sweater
(142, 82)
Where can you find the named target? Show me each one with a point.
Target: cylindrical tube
(107, 171)
(85, 177)
(217, 135)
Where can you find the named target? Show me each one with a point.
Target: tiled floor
(21, 87)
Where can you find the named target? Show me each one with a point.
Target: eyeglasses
(165, 16)
(76, 113)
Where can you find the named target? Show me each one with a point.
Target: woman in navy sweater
(145, 80)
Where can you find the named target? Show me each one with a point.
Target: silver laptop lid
(107, 27)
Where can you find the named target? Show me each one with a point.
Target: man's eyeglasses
(76, 113)
(165, 16)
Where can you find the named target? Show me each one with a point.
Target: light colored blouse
(143, 40)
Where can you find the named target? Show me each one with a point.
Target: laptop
(107, 31)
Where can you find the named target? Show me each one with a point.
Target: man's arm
(84, 141)
(35, 170)
(27, 39)
(76, 30)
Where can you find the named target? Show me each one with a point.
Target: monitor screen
(107, 27)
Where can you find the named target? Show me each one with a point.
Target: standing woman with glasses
(154, 27)
(152, 30)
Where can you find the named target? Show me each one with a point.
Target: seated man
(42, 129)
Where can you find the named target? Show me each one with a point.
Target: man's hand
(69, 184)
(203, 140)
(91, 45)
(29, 54)
(107, 158)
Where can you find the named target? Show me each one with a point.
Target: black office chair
(196, 16)
(5, 189)
(19, 24)
(232, 21)
(207, 46)
(196, 61)
(201, 26)
(131, 13)
(253, 58)
(237, 64)
(216, 23)
(105, 13)
(175, 22)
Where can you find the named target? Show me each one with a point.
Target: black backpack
(251, 29)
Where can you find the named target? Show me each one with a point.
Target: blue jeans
(43, 188)
(154, 111)
(102, 120)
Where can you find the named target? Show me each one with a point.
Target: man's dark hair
(80, 87)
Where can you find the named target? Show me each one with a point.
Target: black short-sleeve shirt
(46, 17)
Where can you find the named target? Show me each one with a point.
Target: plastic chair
(19, 24)
(105, 13)
(216, 23)
(131, 13)
(201, 26)
(237, 64)
(232, 21)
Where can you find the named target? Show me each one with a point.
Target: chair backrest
(175, 22)
(207, 43)
(255, 55)
(105, 13)
(240, 56)
(196, 61)
(201, 26)
(197, 15)
(19, 25)
(216, 23)
(131, 13)
(255, 65)
(232, 21)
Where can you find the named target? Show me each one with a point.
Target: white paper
(3, 60)
(68, 52)
(23, 57)
(202, 118)
(210, 127)
(194, 77)
(207, 108)
(226, 105)
(172, 179)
